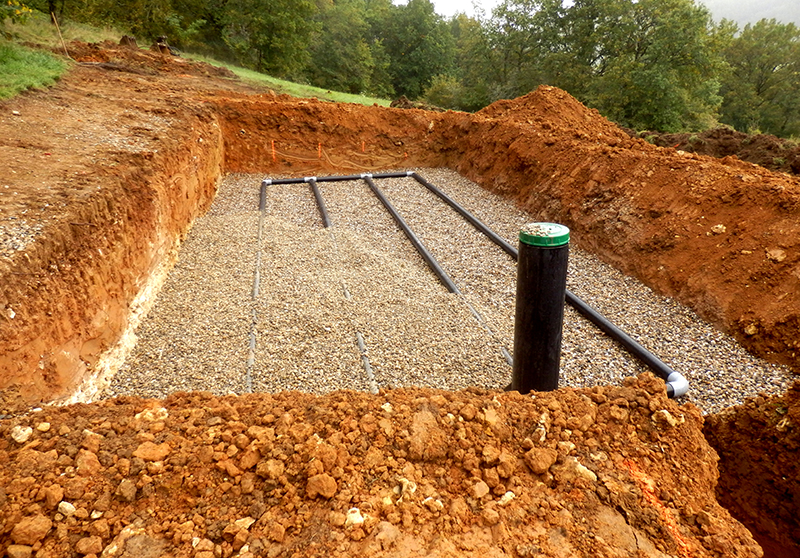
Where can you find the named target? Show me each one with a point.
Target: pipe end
(677, 385)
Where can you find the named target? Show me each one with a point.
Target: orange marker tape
(319, 150)
(273, 151)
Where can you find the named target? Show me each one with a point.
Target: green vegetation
(281, 86)
(23, 68)
(37, 28)
(660, 65)
(760, 90)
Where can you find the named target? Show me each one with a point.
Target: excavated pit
(131, 160)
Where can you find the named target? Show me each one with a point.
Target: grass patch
(37, 29)
(23, 68)
(290, 88)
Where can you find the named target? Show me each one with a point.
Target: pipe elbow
(677, 385)
(266, 182)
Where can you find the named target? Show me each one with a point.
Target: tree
(342, 55)
(417, 42)
(270, 35)
(644, 63)
(660, 68)
(760, 93)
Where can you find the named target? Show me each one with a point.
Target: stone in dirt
(152, 452)
(321, 485)
(31, 530)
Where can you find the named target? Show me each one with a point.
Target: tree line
(661, 65)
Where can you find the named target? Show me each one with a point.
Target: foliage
(646, 64)
(270, 35)
(14, 10)
(417, 43)
(760, 91)
(291, 88)
(23, 68)
(342, 55)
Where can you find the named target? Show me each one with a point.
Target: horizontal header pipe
(270, 182)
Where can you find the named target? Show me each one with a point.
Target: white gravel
(319, 288)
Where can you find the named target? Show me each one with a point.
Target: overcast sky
(741, 11)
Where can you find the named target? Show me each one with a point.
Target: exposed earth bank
(764, 150)
(617, 471)
(103, 175)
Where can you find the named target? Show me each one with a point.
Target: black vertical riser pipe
(674, 379)
(426, 255)
(539, 314)
(323, 211)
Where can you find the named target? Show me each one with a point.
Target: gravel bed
(320, 287)
(195, 335)
(720, 372)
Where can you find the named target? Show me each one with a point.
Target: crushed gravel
(321, 288)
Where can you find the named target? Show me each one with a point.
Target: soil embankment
(758, 443)
(617, 471)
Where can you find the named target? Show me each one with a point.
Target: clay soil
(101, 178)
(764, 150)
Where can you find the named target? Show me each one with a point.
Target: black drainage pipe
(494, 237)
(676, 383)
(323, 211)
(426, 255)
(402, 174)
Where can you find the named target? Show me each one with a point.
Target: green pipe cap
(544, 234)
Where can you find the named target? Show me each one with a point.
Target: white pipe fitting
(679, 384)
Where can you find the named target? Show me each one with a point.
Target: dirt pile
(618, 471)
(721, 236)
(758, 443)
(125, 58)
(764, 150)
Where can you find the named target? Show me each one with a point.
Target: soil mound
(556, 115)
(764, 150)
(758, 444)
(130, 58)
(605, 472)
